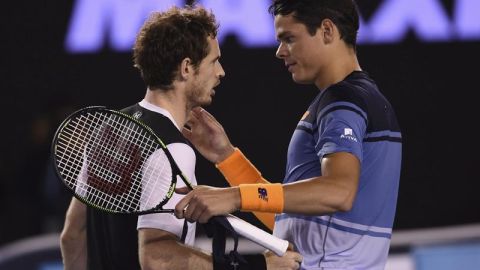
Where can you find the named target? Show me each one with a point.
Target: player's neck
(170, 100)
(340, 67)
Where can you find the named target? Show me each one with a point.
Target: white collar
(152, 107)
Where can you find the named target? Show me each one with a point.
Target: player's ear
(186, 68)
(327, 30)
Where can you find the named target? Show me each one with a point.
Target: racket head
(113, 162)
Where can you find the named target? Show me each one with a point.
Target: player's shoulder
(183, 150)
(130, 110)
(163, 127)
(357, 88)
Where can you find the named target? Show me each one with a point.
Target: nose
(281, 51)
(221, 72)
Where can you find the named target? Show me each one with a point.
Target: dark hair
(343, 13)
(166, 38)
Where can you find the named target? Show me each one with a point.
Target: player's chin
(209, 98)
(300, 80)
(205, 101)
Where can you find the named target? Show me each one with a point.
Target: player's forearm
(73, 246)
(317, 196)
(237, 169)
(334, 191)
(170, 254)
(73, 239)
(74, 254)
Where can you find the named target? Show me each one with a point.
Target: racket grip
(259, 236)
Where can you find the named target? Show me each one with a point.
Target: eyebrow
(216, 58)
(282, 35)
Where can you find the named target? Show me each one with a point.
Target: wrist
(261, 197)
(237, 198)
(237, 169)
(225, 153)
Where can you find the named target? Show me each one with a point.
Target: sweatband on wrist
(262, 197)
(237, 169)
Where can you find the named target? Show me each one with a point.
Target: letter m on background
(93, 22)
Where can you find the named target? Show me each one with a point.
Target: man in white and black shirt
(178, 56)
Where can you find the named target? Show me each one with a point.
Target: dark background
(431, 85)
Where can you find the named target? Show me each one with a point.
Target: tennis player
(338, 198)
(178, 56)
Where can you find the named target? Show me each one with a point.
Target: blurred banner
(96, 24)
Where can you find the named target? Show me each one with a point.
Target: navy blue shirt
(350, 116)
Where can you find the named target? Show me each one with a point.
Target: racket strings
(157, 167)
(156, 172)
(105, 180)
(112, 163)
(95, 196)
(134, 136)
(118, 158)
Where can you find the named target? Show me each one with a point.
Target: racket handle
(259, 236)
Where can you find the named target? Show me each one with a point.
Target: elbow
(152, 259)
(71, 235)
(147, 266)
(152, 264)
(345, 204)
(66, 239)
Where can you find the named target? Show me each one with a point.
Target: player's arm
(334, 191)
(160, 249)
(73, 239)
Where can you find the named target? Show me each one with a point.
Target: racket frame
(175, 169)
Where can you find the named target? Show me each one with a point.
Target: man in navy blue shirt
(338, 198)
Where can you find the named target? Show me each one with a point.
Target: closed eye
(286, 37)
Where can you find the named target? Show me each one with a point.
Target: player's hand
(204, 202)
(207, 135)
(290, 260)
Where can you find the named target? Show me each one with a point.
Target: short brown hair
(166, 38)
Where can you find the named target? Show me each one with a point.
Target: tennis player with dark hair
(178, 56)
(338, 198)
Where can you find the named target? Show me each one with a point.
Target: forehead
(287, 23)
(214, 48)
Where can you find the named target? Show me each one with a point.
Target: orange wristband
(237, 169)
(262, 197)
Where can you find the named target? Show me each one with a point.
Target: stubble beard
(197, 97)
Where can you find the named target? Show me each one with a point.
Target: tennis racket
(113, 162)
